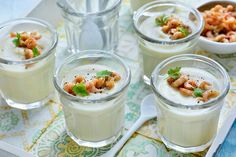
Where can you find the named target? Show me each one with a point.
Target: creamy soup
(154, 53)
(23, 83)
(93, 121)
(183, 127)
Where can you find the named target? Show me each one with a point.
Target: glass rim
(46, 53)
(149, 5)
(69, 59)
(193, 107)
(99, 13)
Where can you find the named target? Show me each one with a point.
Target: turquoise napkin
(228, 148)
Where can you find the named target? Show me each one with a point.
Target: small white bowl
(213, 46)
(216, 47)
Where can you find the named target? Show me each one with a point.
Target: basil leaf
(16, 41)
(162, 20)
(197, 92)
(103, 73)
(183, 30)
(174, 72)
(80, 89)
(35, 52)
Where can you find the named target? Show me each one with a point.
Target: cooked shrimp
(186, 92)
(219, 21)
(99, 82)
(79, 79)
(209, 94)
(171, 28)
(22, 43)
(190, 84)
(219, 37)
(177, 35)
(205, 85)
(232, 38)
(30, 43)
(180, 81)
(110, 78)
(28, 53)
(116, 76)
(90, 87)
(200, 99)
(68, 87)
(209, 34)
(166, 29)
(24, 36)
(13, 34)
(110, 84)
(170, 80)
(35, 35)
(230, 8)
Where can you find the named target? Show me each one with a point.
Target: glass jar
(27, 84)
(136, 4)
(90, 24)
(155, 49)
(93, 121)
(189, 127)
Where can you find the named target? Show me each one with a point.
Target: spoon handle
(118, 146)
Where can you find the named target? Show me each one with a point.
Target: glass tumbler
(155, 49)
(93, 121)
(27, 84)
(189, 127)
(90, 24)
(136, 4)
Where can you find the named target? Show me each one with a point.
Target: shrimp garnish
(90, 87)
(79, 79)
(110, 84)
(28, 53)
(209, 94)
(205, 85)
(170, 80)
(190, 84)
(35, 35)
(99, 82)
(116, 76)
(186, 92)
(68, 87)
(30, 43)
(180, 81)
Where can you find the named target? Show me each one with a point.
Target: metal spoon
(148, 111)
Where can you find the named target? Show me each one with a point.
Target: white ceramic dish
(212, 46)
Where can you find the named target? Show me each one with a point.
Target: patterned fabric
(42, 131)
(228, 148)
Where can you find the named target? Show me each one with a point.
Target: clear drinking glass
(93, 121)
(136, 4)
(153, 49)
(27, 84)
(189, 127)
(90, 24)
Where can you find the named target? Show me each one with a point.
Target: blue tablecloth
(228, 148)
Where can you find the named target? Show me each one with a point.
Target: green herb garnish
(162, 20)
(197, 92)
(103, 73)
(35, 52)
(16, 41)
(80, 89)
(174, 72)
(183, 30)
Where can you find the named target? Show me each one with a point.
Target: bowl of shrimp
(219, 33)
